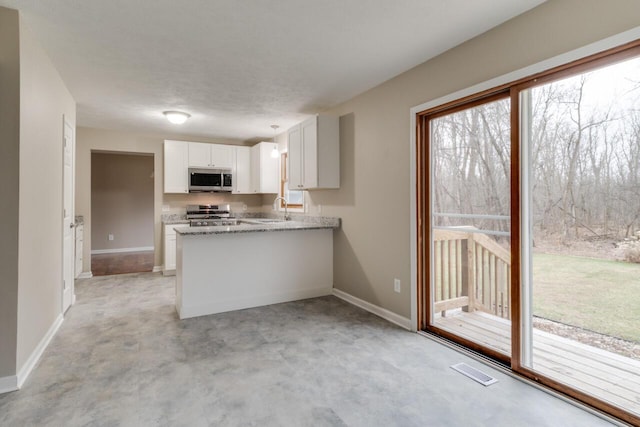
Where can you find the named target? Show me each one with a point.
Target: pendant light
(275, 153)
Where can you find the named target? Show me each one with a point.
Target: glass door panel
(470, 258)
(581, 232)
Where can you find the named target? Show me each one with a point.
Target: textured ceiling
(238, 66)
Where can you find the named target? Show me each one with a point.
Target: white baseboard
(8, 384)
(32, 361)
(85, 275)
(119, 250)
(230, 304)
(392, 317)
(157, 268)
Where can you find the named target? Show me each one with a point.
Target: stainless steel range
(210, 215)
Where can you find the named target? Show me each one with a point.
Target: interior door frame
(66, 124)
(607, 51)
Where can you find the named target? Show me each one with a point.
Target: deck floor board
(607, 376)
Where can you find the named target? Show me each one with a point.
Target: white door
(68, 220)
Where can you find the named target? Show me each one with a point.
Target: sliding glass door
(529, 227)
(470, 225)
(581, 232)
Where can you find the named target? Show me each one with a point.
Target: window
(295, 198)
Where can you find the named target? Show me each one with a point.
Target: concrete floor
(122, 357)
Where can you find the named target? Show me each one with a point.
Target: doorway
(122, 213)
(528, 227)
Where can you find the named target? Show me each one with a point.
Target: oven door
(204, 180)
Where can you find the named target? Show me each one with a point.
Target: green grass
(600, 295)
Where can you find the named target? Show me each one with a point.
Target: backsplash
(239, 202)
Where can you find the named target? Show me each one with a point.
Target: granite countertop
(168, 219)
(306, 223)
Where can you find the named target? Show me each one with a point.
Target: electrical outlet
(396, 285)
(319, 207)
(110, 236)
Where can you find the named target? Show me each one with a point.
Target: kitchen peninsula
(258, 262)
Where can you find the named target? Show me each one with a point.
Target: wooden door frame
(424, 247)
(603, 53)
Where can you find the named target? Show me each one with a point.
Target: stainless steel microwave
(203, 180)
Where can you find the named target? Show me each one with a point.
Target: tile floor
(123, 358)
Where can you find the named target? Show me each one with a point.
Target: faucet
(286, 212)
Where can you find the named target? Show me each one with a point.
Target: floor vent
(474, 374)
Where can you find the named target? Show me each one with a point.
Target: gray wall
(33, 102)
(373, 246)
(44, 101)
(121, 200)
(9, 175)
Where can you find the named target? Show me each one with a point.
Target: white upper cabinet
(176, 165)
(242, 171)
(264, 168)
(203, 155)
(295, 152)
(222, 156)
(314, 154)
(199, 155)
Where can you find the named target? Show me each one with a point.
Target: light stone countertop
(168, 219)
(305, 223)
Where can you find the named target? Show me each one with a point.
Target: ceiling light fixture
(176, 117)
(275, 153)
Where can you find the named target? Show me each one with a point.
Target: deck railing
(471, 271)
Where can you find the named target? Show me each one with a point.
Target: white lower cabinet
(79, 247)
(169, 267)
